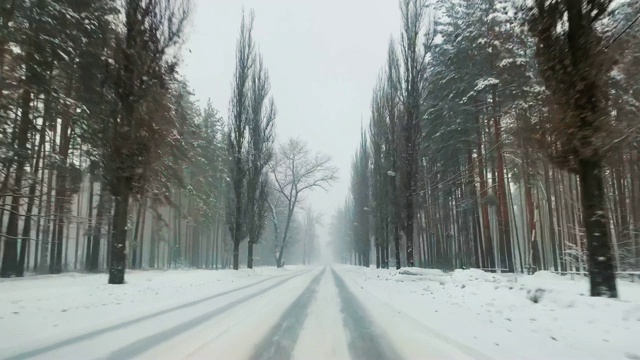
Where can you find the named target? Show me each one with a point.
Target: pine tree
(143, 63)
(574, 65)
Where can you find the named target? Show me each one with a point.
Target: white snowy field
(340, 312)
(493, 313)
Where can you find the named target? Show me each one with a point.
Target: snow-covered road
(303, 313)
(339, 312)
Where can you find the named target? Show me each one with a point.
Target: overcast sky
(323, 58)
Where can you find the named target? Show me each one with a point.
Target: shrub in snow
(535, 295)
(407, 272)
(472, 275)
(421, 272)
(547, 275)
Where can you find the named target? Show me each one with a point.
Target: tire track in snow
(415, 336)
(143, 345)
(365, 341)
(281, 340)
(106, 330)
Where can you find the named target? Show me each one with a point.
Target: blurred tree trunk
(61, 192)
(26, 230)
(9, 265)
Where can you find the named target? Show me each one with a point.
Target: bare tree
(263, 114)
(574, 65)
(361, 195)
(311, 221)
(413, 46)
(391, 100)
(237, 137)
(274, 203)
(295, 171)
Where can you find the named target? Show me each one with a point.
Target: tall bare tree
(262, 116)
(361, 195)
(296, 171)
(379, 134)
(237, 136)
(416, 36)
(391, 100)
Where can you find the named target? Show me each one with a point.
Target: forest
(503, 135)
(337, 179)
(108, 162)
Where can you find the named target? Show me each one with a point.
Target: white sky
(323, 58)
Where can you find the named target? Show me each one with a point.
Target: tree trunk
(624, 238)
(47, 242)
(208, 260)
(61, 192)
(635, 205)
(96, 233)
(26, 230)
(78, 209)
(396, 238)
(4, 188)
(291, 208)
(87, 252)
(118, 261)
(153, 244)
(216, 243)
(553, 223)
(506, 246)
(486, 229)
(512, 212)
(188, 236)
(140, 236)
(38, 240)
(475, 208)
(237, 225)
(601, 269)
(10, 255)
(134, 242)
(409, 213)
(540, 225)
(178, 242)
(66, 248)
(109, 244)
(530, 227)
(250, 255)
(236, 253)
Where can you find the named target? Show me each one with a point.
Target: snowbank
(507, 316)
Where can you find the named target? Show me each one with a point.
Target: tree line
(502, 135)
(107, 160)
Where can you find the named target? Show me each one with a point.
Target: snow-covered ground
(494, 313)
(315, 313)
(37, 312)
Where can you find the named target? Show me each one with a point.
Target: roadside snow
(44, 309)
(506, 316)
